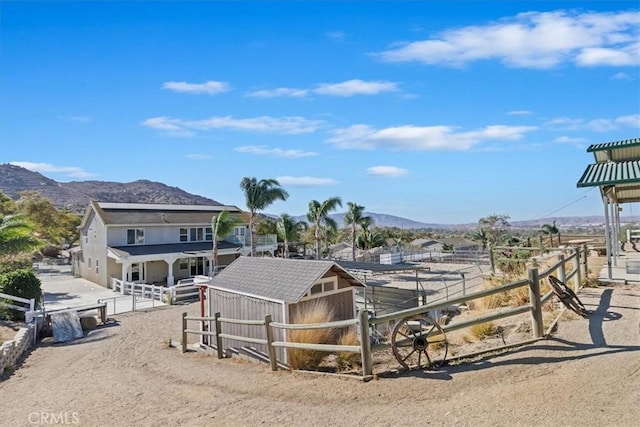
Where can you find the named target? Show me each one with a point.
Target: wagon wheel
(567, 296)
(419, 342)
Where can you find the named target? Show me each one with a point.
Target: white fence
(186, 289)
(29, 309)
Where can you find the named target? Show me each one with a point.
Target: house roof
(158, 214)
(198, 248)
(277, 279)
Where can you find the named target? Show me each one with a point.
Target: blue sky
(436, 111)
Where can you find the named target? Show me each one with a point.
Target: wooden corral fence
(213, 326)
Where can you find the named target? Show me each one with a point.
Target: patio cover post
(607, 236)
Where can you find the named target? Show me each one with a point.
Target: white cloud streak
(356, 87)
(305, 181)
(206, 88)
(423, 138)
(337, 36)
(262, 150)
(71, 171)
(344, 89)
(198, 156)
(533, 40)
(386, 171)
(520, 113)
(264, 124)
(595, 125)
(281, 92)
(622, 76)
(569, 140)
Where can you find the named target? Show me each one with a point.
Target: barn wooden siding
(235, 306)
(341, 303)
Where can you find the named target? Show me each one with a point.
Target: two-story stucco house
(156, 243)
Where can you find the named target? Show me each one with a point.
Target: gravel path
(124, 375)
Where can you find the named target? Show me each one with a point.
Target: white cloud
(263, 124)
(569, 140)
(355, 87)
(632, 120)
(198, 156)
(386, 171)
(262, 150)
(520, 113)
(71, 171)
(279, 92)
(337, 36)
(595, 125)
(622, 76)
(423, 138)
(206, 88)
(532, 40)
(305, 181)
(80, 119)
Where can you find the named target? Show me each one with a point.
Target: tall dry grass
(348, 361)
(316, 312)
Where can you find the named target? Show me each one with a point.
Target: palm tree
(354, 217)
(16, 235)
(289, 230)
(481, 236)
(221, 226)
(318, 215)
(259, 195)
(369, 238)
(550, 229)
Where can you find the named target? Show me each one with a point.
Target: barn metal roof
(627, 149)
(276, 279)
(611, 173)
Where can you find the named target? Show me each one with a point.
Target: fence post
(218, 337)
(184, 332)
(536, 307)
(492, 261)
(464, 284)
(577, 278)
(585, 253)
(562, 270)
(273, 361)
(365, 343)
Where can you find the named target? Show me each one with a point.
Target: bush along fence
(211, 329)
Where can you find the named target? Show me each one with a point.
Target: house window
(200, 233)
(89, 262)
(316, 289)
(208, 234)
(97, 267)
(328, 286)
(135, 236)
(184, 264)
(193, 234)
(184, 235)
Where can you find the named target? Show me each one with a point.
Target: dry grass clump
(348, 361)
(316, 312)
(485, 330)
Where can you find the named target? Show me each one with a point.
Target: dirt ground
(125, 374)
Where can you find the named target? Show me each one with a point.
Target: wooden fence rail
(365, 324)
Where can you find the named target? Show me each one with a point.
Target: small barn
(251, 288)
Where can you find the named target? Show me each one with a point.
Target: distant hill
(383, 220)
(76, 195)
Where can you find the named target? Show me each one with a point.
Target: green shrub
(20, 283)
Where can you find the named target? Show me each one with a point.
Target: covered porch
(167, 263)
(617, 174)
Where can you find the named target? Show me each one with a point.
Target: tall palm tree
(354, 217)
(318, 215)
(259, 195)
(221, 225)
(481, 236)
(16, 235)
(289, 230)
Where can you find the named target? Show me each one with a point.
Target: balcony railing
(261, 240)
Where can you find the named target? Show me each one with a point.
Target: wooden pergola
(617, 173)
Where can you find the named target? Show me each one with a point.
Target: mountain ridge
(75, 196)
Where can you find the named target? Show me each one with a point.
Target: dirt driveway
(123, 375)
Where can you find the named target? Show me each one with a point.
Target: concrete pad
(61, 290)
